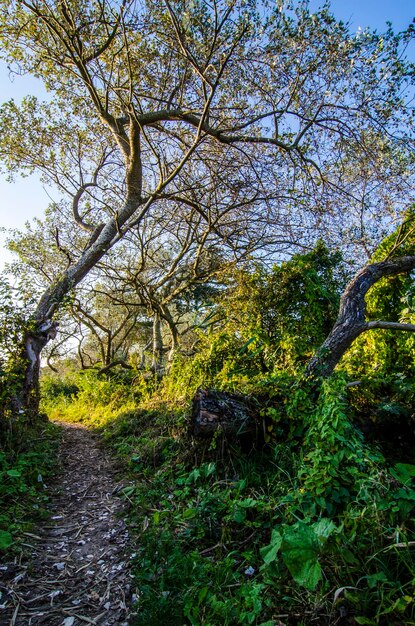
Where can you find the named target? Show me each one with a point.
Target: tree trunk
(27, 401)
(157, 362)
(351, 320)
(174, 334)
(217, 411)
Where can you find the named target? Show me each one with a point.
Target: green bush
(92, 398)
(232, 539)
(54, 388)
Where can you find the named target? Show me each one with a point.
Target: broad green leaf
(402, 473)
(247, 503)
(374, 579)
(13, 473)
(239, 515)
(324, 528)
(202, 594)
(406, 467)
(269, 553)
(6, 540)
(300, 550)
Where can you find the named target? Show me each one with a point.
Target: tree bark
(157, 362)
(119, 362)
(351, 321)
(27, 401)
(217, 411)
(174, 334)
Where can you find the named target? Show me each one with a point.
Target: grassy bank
(25, 469)
(315, 527)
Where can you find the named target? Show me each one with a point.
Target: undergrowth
(25, 469)
(315, 527)
(92, 399)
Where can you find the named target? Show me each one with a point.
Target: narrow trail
(77, 572)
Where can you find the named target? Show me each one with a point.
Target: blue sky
(375, 13)
(26, 198)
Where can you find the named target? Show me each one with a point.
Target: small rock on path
(78, 571)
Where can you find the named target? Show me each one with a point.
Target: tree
(378, 289)
(273, 319)
(271, 105)
(151, 275)
(111, 330)
(292, 308)
(351, 321)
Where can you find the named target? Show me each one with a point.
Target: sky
(27, 198)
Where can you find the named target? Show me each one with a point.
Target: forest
(224, 296)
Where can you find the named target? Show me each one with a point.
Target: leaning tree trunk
(44, 328)
(351, 320)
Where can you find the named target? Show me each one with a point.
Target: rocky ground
(76, 567)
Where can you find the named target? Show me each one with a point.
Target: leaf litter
(77, 570)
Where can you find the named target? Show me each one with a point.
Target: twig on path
(32, 535)
(44, 582)
(82, 526)
(89, 564)
(98, 617)
(43, 595)
(106, 595)
(67, 528)
(14, 618)
(81, 617)
(86, 490)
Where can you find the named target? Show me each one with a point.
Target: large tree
(298, 124)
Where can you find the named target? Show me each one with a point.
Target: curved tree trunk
(351, 320)
(119, 362)
(27, 400)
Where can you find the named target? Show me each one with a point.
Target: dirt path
(78, 571)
